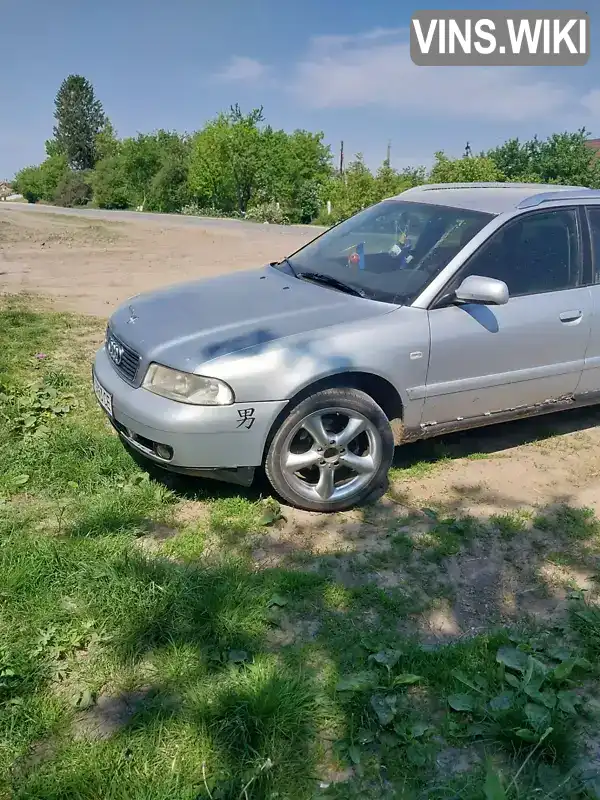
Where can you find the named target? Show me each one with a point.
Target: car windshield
(388, 252)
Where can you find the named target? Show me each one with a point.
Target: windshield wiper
(327, 280)
(287, 262)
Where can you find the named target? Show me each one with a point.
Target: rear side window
(593, 213)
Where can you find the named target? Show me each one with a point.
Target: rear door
(590, 379)
(490, 359)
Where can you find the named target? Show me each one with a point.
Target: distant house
(5, 190)
(594, 144)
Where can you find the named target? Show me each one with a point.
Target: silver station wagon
(444, 308)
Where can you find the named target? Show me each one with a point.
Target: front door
(487, 359)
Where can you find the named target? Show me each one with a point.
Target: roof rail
(565, 194)
(428, 187)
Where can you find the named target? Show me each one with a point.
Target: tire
(331, 452)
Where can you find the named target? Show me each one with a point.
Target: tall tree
(227, 160)
(79, 119)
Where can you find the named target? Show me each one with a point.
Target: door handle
(570, 316)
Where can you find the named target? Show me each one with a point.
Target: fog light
(164, 451)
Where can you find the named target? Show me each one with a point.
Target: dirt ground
(91, 265)
(501, 476)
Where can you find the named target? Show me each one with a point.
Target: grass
(510, 524)
(143, 653)
(572, 523)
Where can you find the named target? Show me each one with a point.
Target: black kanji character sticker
(247, 418)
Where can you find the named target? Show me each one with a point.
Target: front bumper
(200, 437)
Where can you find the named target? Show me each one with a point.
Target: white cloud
(328, 42)
(376, 69)
(241, 68)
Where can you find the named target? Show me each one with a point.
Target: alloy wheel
(331, 455)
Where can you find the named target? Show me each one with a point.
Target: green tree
(53, 170)
(565, 158)
(243, 152)
(307, 166)
(107, 143)
(387, 181)
(149, 170)
(210, 176)
(139, 158)
(359, 183)
(464, 170)
(359, 188)
(28, 182)
(515, 158)
(413, 176)
(79, 120)
(227, 159)
(308, 201)
(354, 190)
(390, 182)
(52, 148)
(168, 190)
(108, 184)
(74, 189)
(562, 158)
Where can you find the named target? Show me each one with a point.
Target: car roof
(495, 198)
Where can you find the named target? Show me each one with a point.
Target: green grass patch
(570, 523)
(447, 536)
(510, 524)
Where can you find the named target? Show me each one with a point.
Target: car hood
(189, 324)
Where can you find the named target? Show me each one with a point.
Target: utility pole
(388, 157)
(342, 157)
(468, 152)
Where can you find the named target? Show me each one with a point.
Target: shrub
(196, 210)
(108, 184)
(73, 190)
(308, 202)
(466, 169)
(268, 212)
(40, 183)
(168, 191)
(28, 182)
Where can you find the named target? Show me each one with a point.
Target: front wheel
(331, 452)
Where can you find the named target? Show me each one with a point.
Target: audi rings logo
(114, 350)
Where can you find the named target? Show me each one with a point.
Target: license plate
(104, 398)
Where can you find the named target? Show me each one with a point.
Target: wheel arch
(378, 388)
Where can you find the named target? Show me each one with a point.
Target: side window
(593, 213)
(537, 253)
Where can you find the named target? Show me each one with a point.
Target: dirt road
(91, 260)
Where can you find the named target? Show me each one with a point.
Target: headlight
(186, 387)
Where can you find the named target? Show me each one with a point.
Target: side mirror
(484, 291)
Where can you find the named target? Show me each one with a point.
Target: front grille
(124, 359)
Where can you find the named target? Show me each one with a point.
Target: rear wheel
(331, 452)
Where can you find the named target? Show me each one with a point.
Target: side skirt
(428, 430)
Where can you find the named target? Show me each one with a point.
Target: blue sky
(340, 67)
